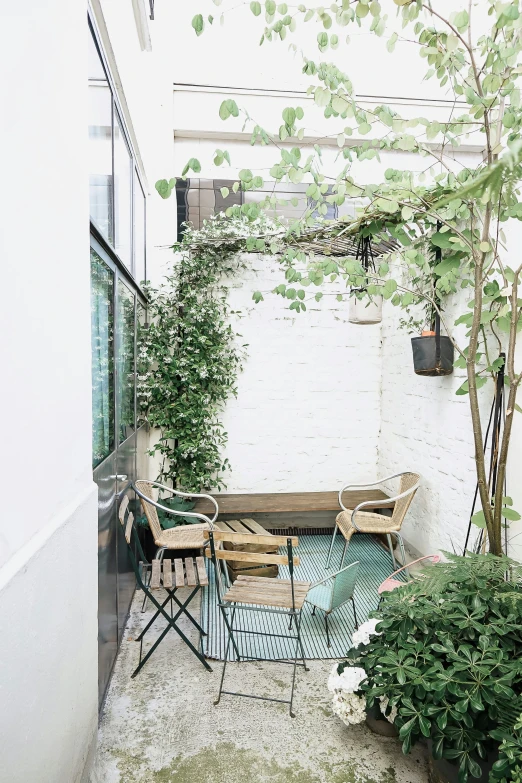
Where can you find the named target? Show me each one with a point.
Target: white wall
(307, 414)
(49, 523)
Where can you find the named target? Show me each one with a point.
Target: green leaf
(165, 187)
(511, 514)
(255, 8)
(479, 519)
(225, 192)
(198, 24)
(257, 296)
(390, 46)
(389, 288)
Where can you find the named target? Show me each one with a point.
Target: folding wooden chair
(259, 594)
(151, 576)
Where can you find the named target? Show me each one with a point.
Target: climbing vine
(191, 355)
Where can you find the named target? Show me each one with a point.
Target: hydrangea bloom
(362, 636)
(349, 707)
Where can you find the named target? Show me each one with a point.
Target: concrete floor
(162, 727)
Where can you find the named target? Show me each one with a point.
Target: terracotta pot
(427, 333)
(376, 721)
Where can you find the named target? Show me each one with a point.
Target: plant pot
(377, 723)
(365, 311)
(444, 771)
(425, 359)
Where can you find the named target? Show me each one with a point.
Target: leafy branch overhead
(438, 202)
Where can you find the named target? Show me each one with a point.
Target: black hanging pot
(433, 354)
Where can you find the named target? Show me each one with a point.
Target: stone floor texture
(163, 727)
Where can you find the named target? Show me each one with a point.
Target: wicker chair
(357, 521)
(182, 537)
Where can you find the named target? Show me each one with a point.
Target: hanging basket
(432, 354)
(365, 311)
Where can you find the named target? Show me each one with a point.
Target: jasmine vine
(190, 356)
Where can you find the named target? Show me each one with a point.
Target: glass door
(114, 303)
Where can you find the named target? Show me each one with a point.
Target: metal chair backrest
(408, 480)
(217, 538)
(128, 524)
(344, 585)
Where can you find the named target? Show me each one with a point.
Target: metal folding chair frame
(293, 613)
(172, 618)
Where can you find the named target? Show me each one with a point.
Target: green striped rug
(375, 566)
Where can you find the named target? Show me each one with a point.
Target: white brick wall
(307, 415)
(427, 429)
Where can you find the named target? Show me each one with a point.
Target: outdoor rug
(375, 565)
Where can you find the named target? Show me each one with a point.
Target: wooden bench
(247, 527)
(289, 503)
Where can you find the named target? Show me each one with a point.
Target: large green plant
(477, 65)
(448, 656)
(190, 355)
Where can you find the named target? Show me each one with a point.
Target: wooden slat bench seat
(288, 502)
(187, 573)
(267, 592)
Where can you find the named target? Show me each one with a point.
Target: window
(117, 200)
(102, 341)
(139, 231)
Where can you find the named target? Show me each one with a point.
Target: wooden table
(293, 502)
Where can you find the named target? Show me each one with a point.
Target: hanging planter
(365, 309)
(433, 353)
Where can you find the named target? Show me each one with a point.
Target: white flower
(349, 707)
(348, 681)
(362, 636)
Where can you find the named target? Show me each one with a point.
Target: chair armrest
(175, 512)
(332, 576)
(364, 486)
(433, 558)
(374, 503)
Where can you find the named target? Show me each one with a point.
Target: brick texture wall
(307, 415)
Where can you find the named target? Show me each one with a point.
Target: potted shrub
(445, 655)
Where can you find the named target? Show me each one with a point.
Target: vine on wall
(191, 355)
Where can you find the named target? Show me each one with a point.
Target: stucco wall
(48, 592)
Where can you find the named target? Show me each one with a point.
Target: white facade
(48, 525)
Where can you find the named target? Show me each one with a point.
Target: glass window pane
(100, 146)
(139, 231)
(102, 346)
(123, 172)
(126, 378)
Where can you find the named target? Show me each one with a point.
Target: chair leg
(403, 553)
(331, 546)
(355, 614)
(230, 639)
(327, 632)
(344, 552)
(298, 628)
(392, 553)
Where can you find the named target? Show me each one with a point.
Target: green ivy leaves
(165, 187)
(228, 109)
